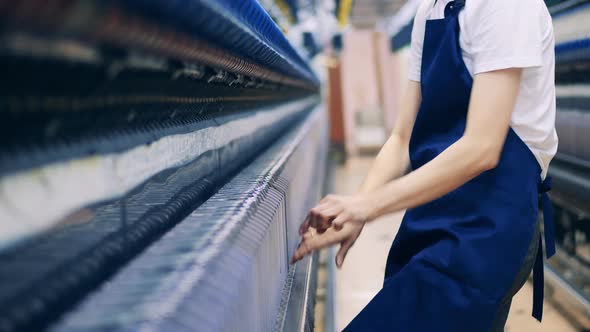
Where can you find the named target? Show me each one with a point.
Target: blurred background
(157, 158)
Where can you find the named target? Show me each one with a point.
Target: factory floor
(361, 276)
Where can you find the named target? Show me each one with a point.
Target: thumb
(344, 247)
(339, 221)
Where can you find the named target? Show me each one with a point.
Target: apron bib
(454, 259)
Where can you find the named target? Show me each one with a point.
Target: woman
(477, 129)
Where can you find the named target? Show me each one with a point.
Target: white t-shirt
(500, 34)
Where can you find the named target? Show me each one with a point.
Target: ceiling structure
(366, 13)
(362, 14)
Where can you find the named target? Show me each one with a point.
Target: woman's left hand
(337, 219)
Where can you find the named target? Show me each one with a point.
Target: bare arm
(493, 98)
(492, 101)
(393, 159)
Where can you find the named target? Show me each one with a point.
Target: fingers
(339, 221)
(316, 220)
(322, 216)
(341, 255)
(304, 228)
(320, 222)
(317, 217)
(311, 242)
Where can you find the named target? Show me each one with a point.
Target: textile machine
(156, 160)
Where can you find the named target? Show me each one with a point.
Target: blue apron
(455, 259)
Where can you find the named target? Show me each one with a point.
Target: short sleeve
(416, 44)
(504, 34)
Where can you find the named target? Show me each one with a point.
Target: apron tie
(549, 231)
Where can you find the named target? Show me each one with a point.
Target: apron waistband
(549, 231)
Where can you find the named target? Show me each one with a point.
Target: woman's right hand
(346, 236)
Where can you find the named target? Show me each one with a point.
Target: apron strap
(549, 227)
(549, 231)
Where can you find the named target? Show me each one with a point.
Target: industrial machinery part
(569, 272)
(156, 158)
